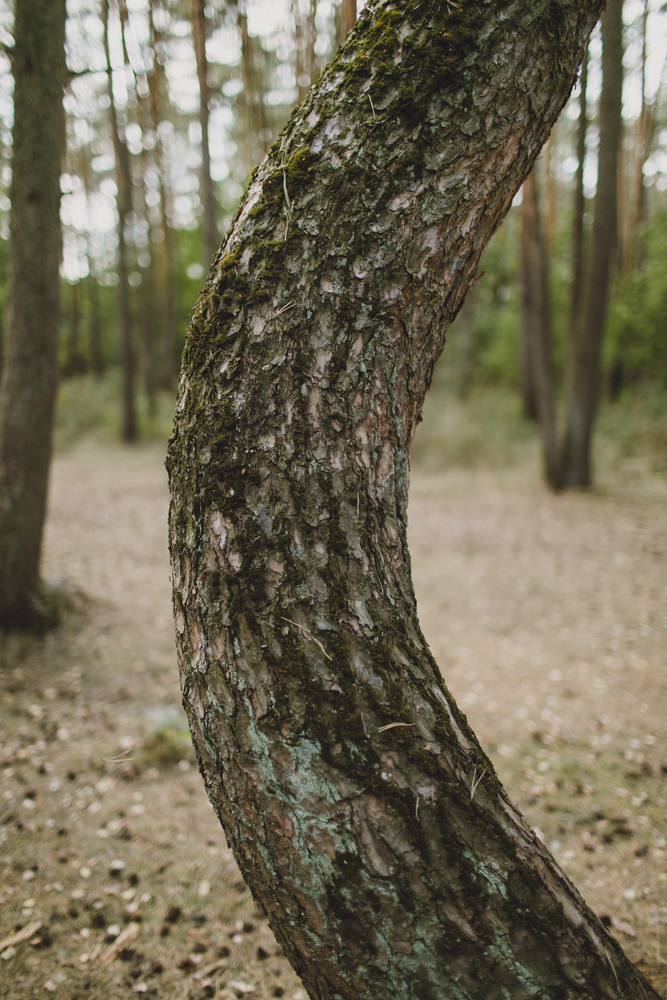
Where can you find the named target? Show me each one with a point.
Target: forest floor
(548, 616)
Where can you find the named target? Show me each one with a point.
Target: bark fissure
(362, 811)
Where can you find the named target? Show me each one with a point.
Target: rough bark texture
(30, 369)
(537, 326)
(586, 362)
(365, 817)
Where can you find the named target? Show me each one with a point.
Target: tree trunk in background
(129, 425)
(537, 326)
(168, 285)
(527, 315)
(96, 351)
(253, 91)
(577, 300)
(586, 364)
(304, 36)
(211, 240)
(633, 250)
(365, 817)
(30, 369)
(148, 304)
(75, 363)
(348, 16)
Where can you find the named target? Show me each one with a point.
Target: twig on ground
(394, 725)
(22, 935)
(208, 969)
(123, 939)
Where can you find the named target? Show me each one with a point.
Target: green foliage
(87, 404)
(166, 748)
(636, 345)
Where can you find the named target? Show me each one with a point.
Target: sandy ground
(548, 617)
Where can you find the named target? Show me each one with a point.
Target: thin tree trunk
(129, 425)
(158, 99)
(536, 300)
(551, 194)
(304, 36)
(30, 369)
(364, 815)
(148, 303)
(348, 16)
(95, 327)
(253, 90)
(586, 364)
(95, 350)
(527, 315)
(576, 302)
(75, 363)
(633, 252)
(211, 241)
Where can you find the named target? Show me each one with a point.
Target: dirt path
(547, 615)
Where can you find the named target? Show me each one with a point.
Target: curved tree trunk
(365, 817)
(30, 368)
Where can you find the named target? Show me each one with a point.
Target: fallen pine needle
(208, 969)
(394, 725)
(307, 635)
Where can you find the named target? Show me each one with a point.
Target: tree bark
(129, 424)
(586, 363)
(198, 20)
(537, 325)
(365, 817)
(30, 369)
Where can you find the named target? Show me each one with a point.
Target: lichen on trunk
(364, 815)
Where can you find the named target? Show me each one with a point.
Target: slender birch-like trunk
(158, 102)
(364, 815)
(537, 326)
(211, 241)
(129, 424)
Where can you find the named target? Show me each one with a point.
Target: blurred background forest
(135, 121)
(546, 612)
